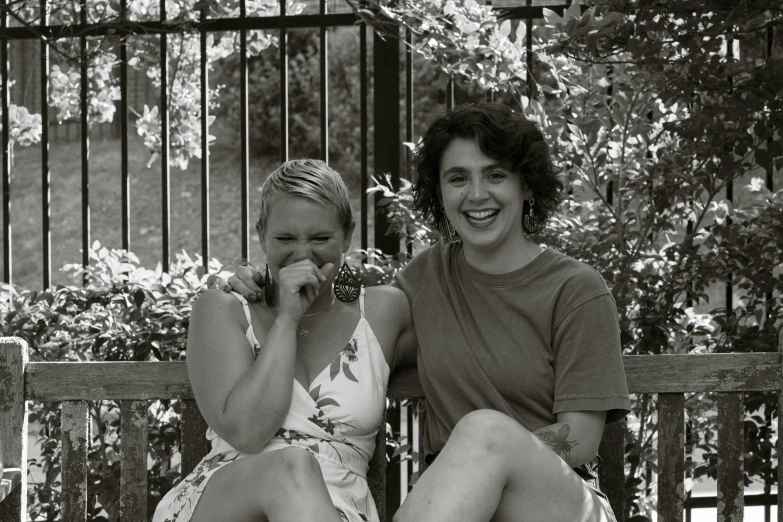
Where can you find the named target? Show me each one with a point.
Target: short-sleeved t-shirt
(531, 343)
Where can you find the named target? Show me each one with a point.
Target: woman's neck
(510, 256)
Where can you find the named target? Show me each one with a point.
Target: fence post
(13, 424)
(387, 140)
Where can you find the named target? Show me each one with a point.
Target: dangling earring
(346, 287)
(267, 287)
(531, 223)
(445, 228)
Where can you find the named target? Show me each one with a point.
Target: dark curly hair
(503, 135)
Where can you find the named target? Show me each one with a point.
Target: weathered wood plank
(11, 479)
(779, 444)
(107, 380)
(721, 372)
(194, 436)
(13, 425)
(671, 456)
(75, 437)
(725, 372)
(376, 476)
(13, 507)
(611, 472)
(731, 500)
(404, 384)
(133, 461)
(421, 414)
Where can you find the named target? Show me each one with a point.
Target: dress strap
(245, 307)
(361, 301)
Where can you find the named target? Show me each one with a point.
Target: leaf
(348, 373)
(138, 298)
(327, 402)
(521, 33)
(334, 368)
(551, 17)
(505, 28)
(314, 448)
(315, 392)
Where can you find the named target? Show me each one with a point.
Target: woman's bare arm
(575, 436)
(244, 400)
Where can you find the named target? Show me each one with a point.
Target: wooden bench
(134, 384)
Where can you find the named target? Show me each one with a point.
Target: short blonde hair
(308, 178)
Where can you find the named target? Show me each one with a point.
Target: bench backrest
(134, 384)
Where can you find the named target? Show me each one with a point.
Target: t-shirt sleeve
(589, 373)
(412, 276)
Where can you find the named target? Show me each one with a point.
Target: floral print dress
(336, 420)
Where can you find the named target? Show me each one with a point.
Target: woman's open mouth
(481, 218)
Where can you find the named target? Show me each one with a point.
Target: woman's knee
(490, 431)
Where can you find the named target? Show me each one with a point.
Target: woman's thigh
(509, 465)
(248, 488)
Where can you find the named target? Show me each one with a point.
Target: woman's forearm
(259, 403)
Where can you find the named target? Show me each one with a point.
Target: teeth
(481, 214)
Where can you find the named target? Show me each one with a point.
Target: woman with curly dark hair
(519, 345)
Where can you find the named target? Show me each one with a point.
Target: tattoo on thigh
(558, 441)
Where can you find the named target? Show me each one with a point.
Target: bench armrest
(12, 478)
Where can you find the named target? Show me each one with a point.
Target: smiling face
(482, 199)
(299, 228)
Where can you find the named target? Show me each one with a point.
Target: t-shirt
(530, 343)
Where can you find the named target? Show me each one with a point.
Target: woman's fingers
(246, 281)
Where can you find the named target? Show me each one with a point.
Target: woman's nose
(478, 191)
(302, 251)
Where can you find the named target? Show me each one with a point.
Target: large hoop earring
(346, 287)
(267, 287)
(530, 222)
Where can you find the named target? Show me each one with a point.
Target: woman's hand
(248, 281)
(300, 284)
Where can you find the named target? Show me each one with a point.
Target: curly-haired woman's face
(482, 199)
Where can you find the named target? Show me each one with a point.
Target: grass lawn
(145, 205)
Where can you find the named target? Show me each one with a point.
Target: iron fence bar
(204, 144)
(364, 170)
(529, 48)
(409, 102)
(450, 95)
(324, 85)
(250, 23)
(165, 169)
(729, 186)
(283, 84)
(85, 139)
(7, 267)
(124, 131)
(46, 200)
(243, 134)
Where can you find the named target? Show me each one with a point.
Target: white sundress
(336, 420)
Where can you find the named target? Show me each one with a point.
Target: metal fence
(393, 124)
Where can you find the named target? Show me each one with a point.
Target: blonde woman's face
(298, 228)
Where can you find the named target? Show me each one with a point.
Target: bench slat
(376, 476)
(13, 428)
(194, 437)
(133, 463)
(731, 415)
(779, 446)
(611, 472)
(671, 456)
(725, 372)
(75, 438)
(421, 414)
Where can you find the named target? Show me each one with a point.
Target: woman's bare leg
(282, 485)
(493, 469)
